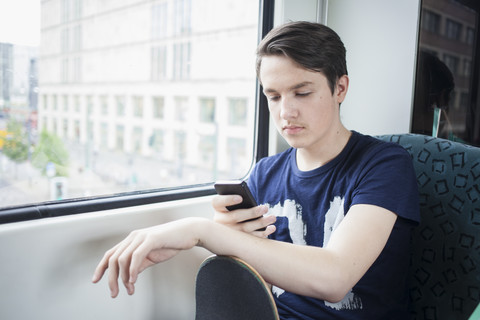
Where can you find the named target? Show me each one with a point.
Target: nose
(288, 110)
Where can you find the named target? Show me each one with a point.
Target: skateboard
(227, 288)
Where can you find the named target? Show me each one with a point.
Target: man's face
(301, 103)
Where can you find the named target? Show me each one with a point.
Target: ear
(342, 88)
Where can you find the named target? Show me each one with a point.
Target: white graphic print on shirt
(333, 218)
(297, 229)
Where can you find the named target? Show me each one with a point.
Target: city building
(167, 80)
(18, 81)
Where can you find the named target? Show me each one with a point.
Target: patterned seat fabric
(445, 272)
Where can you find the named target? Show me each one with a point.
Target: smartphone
(236, 187)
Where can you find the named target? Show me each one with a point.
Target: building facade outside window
(142, 96)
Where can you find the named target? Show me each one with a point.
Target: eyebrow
(294, 87)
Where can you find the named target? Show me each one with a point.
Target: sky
(20, 22)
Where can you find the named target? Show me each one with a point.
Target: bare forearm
(325, 273)
(300, 269)
(290, 267)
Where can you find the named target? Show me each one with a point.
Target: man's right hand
(255, 221)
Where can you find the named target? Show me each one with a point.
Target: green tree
(50, 148)
(16, 143)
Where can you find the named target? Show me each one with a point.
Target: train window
(103, 98)
(448, 69)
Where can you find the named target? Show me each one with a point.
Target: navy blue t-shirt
(309, 205)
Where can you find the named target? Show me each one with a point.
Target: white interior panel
(380, 37)
(47, 267)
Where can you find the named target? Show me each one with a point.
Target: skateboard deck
(227, 288)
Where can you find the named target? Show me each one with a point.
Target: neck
(309, 159)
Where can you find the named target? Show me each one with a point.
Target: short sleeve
(388, 180)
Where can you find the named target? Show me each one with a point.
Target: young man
(338, 206)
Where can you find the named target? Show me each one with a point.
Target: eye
(302, 94)
(274, 98)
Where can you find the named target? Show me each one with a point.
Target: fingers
(247, 220)
(259, 224)
(116, 269)
(118, 262)
(241, 215)
(99, 271)
(220, 202)
(102, 265)
(125, 263)
(138, 263)
(113, 277)
(266, 232)
(142, 249)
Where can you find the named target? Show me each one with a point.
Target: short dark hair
(313, 46)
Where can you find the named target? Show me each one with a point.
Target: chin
(294, 143)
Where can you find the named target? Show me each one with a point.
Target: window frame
(136, 198)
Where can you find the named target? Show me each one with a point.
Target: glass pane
(103, 97)
(447, 72)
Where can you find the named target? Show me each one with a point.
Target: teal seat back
(445, 271)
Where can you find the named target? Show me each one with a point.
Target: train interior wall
(47, 265)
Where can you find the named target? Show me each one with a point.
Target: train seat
(445, 272)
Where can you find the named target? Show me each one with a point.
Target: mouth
(292, 129)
